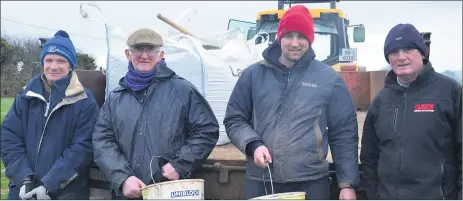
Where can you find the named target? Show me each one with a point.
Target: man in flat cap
(154, 126)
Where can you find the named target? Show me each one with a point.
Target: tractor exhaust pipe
(333, 4)
(427, 40)
(281, 3)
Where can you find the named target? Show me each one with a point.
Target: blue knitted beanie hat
(61, 45)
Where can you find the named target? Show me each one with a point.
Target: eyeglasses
(150, 50)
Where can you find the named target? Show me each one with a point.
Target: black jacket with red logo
(411, 144)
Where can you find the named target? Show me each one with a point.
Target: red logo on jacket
(424, 107)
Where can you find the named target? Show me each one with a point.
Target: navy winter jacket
(50, 140)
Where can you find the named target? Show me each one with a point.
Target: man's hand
(131, 188)
(169, 172)
(347, 194)
(261, 156)
(26, 187)
(41, 193)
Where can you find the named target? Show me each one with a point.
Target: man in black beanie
(411, 144)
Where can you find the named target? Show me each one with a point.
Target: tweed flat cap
(145, 36)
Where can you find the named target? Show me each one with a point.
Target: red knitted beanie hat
(297, 19)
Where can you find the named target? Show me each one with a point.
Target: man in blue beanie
(155, 127)
(47, 134)
(411, 144)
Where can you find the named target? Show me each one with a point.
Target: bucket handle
(151, 168)
(271, 179)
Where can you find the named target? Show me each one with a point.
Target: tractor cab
(331, 43)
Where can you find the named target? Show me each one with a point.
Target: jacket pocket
(387, 122)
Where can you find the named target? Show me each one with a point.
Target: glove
(41, 192)
(27, 186)
(157, 176)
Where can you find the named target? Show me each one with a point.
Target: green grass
(5, 107)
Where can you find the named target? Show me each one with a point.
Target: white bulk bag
(219, 70)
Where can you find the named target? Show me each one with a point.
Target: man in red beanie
(279, 112)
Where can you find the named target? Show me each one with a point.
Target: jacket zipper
(286, 94)
(401, 146)
(144, 96)
(395, 119)
(443, 180)
(48, 108)
(289, 74)
(279, 115)
(44, 127)
(396, 112)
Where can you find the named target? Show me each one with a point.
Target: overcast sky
(443, 19)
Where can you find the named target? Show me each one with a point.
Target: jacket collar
(65, 88)
(423, 77)
(273, 52)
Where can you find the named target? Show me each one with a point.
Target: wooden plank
(358, 84)
(376, 82)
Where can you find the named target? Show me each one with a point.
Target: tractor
(331, 42)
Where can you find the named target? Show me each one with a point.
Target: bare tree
(85, 61)
(20, 61)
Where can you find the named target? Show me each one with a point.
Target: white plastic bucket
(283, 196)
(190, 189)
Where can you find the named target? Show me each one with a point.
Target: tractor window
(248, 28)
(251, 33)
(269, 27)
(325, 26)
(322, 46)
(325, 38)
